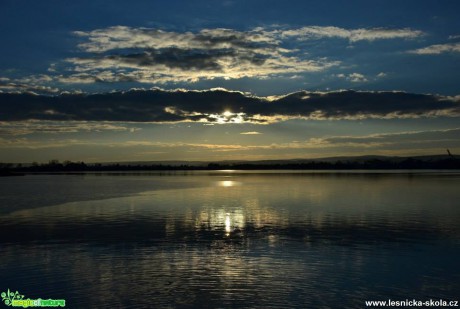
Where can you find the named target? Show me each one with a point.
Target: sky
(111, 81)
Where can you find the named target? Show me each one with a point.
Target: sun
(227, 113)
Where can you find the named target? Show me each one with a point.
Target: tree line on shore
(378, 164)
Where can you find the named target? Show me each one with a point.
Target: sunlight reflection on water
(228, 183)
(265, 241)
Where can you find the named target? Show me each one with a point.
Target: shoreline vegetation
(357, 163)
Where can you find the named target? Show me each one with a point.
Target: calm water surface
(231, 239)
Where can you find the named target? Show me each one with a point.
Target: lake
(231, 239)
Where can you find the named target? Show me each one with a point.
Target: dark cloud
(186, 60)
(219, 105)
(352, 104)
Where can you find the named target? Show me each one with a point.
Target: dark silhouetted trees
(372, 164)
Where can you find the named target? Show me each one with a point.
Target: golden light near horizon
(225, 117)
(228, 117)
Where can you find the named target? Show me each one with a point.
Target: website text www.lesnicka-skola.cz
(412, 303)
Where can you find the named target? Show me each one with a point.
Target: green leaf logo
(9, 296)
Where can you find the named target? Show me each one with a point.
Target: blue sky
(227, 79)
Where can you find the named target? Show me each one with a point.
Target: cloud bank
(146, 55)
(222, 106)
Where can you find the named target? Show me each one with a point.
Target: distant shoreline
(410, 163)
